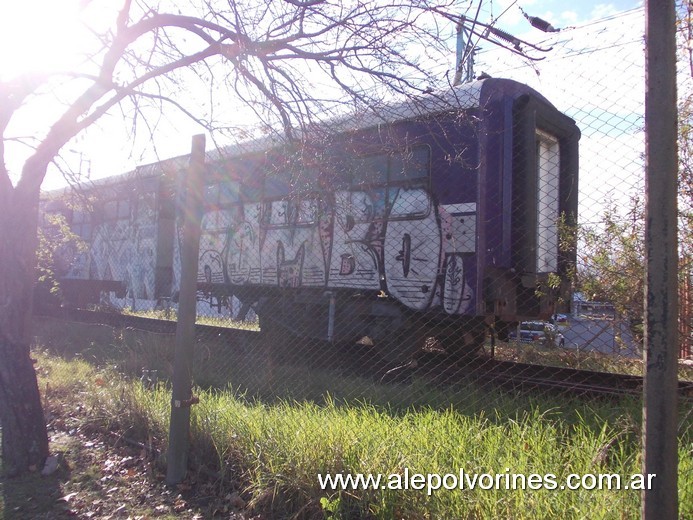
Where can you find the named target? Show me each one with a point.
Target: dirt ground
(102, 475)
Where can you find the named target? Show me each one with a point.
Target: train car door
(357, 242)
(412, 247)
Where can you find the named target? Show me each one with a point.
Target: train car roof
(465, 96)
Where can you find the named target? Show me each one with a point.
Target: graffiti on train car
(395, 240)
(446, 208)
(121, 226)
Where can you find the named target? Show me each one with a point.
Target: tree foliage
(611, 264)
(58, 248)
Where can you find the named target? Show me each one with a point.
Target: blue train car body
(443, 213)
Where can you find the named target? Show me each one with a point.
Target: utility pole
(182, 398)
(465, 55)
(661, 297)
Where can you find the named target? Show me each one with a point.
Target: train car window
(83, 230)
(80, 225)
(215, 171)
(123, 209)
(79, 216)
(251, 180)
(251, 192)
(246, 181)
(148, 185)
(548, 176)
(370, 169)
(116, 210)
(146, 205)
(110, 210)
(338, 174)
(229, 193)
(410, 164)
(277, 184)
(211, 196)
(305, 180)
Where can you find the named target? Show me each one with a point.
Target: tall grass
(215, 321)
(274, 450)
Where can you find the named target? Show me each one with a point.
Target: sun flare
(39, 36)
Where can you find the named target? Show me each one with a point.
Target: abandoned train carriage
(128, 225)
(437, 215)
(445, 213)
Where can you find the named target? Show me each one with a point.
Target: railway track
(567, 380)
(505, 374)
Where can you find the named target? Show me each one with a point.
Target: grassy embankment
(273, 438)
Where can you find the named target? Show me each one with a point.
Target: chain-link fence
(442, 212)
(445, 250)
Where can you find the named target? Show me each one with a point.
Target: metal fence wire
(449, 248)
(433, 225)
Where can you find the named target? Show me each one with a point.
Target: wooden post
(182, 397)
(661, 295)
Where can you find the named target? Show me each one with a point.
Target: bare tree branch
(365, 40)
(291, 63)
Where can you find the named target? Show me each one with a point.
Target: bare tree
(290, 61)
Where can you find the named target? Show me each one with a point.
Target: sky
(594, 73)
(560, 13)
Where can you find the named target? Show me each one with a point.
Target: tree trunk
(24, 435)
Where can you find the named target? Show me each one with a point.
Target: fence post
(181, 398)
(661, 339)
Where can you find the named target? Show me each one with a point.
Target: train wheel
(435, 352)
(398, 346)
(465, 340)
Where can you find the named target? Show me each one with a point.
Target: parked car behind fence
(539, 332)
